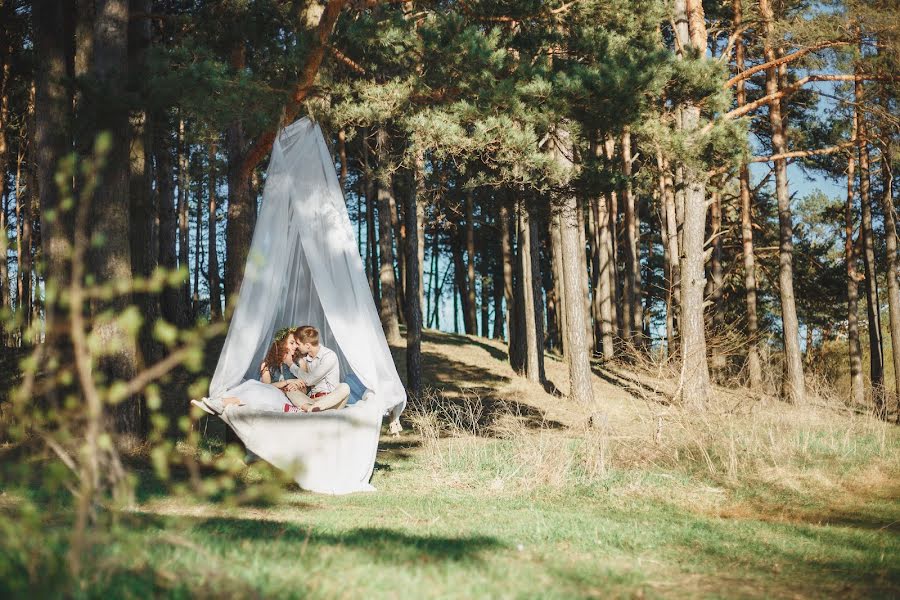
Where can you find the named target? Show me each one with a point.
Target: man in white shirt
(320, 371)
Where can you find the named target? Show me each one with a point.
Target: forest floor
(499, 488)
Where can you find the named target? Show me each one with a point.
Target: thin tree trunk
(585, 281)
(717, 285)
(5, 59)
(388, 280)
(371, 191)
(241, 215)
(794, 384)
(398, 227)
(198, 244)
(420, 233)
(23, 243)
(857, 389)
(558, 323)
(673, 268)
(212, 261)
(470, 306)
(413, 302)
(171, 300)
(890, 229)
(183, 225)
(873, 307)
(507, 221)
(754, 364)
(633, 294)
(694, 369)
(342, 155)
(603, 291)
(617, 310)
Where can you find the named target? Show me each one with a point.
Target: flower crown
(283, 333)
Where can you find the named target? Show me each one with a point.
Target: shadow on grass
(384, 545)
(463, 340)
(632, 385)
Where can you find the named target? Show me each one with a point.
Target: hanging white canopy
(304, 268)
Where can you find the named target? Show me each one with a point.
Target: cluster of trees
(598, 178)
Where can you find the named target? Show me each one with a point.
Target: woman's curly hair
(276, 350)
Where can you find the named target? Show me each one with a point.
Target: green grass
(418, 539)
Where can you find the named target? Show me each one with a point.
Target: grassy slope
(756, 499)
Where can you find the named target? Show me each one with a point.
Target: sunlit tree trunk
(183, 225)
(794, 384)
(694, 388)
(470, 306)
(857, 390)
(890, 230)
(390, 321)
(873, 307)
(717, 285)
(413, 298)
(532, 331)
(634, 313)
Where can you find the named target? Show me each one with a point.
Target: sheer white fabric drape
(304, 268)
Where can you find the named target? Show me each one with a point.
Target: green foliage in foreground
(470, 533)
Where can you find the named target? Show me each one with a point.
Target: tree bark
(388, 280)
(184, 197)
(198, 244)
(634, 312)
(873, 307)
(5, 59)
(754, 364)
(717, 286)
(603, 290)
(618, 312)
(584, 256)
(112, 262)
(857, 390)
(143, 209)
(673, 267)
(694, 366)
(532, 312)
(413, 302)
(212, 260)
(794, 388)
(172, 308)
(52, 110)
(890, 229)
(470, 306)
(573, 278)
(24, 218)
(558, 324)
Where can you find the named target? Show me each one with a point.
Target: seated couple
(312, 386)
(307, 372)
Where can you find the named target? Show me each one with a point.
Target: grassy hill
(499, 488)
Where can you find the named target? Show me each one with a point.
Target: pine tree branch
(784, 59)
(805, 153)
(263, 144)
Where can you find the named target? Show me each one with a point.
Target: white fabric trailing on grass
(304, 268)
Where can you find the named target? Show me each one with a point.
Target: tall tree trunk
(890, 230)
(388, 280)
(171, 300)
(673, 266)
(529, 275)
(691, 31)
(794, 384)
(371, 193)
(5, 59)
(110, 210)
(585, 281)
(558, 324)
(604, 289)
(857, 389)
(634, 313)
(717, 286)
(23, 243)
(241, 215)
(507, 221)
(470, 306)
(617, 310)
(399, 228)
(420, 236)
(754, 364)
(143, 210)
(413, 302)
(184, 196)
(198, 244)
(573, 272)
(212, 261)
(52, 110)
(873, 307)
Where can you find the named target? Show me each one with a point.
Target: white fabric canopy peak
(304, 268)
